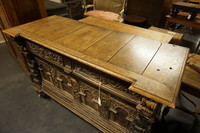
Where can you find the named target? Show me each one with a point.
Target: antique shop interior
(91, 66)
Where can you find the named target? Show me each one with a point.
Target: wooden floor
(1, 38)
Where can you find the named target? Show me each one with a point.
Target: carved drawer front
(45, 53)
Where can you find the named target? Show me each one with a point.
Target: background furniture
(152, 10)
(191, 8)
(116, 90)
(88, 5)
(16, 12)
(177, 37)
(136, 21)
(185, 14)
(54, 8)
(191, 76)
(75, 8)
(108, 9)
(181, 18)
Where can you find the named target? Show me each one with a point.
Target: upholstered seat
(103, 14)
(108, 9)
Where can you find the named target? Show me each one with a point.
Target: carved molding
(57, 77)
(106, 80)
(46, 54)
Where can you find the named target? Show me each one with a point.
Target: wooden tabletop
(187, 6)
(154, 69)
(121, 27)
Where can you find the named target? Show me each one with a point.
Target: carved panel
(137, 118)
(58, 79)
(105, 79)
(81, 83)
(46, 54)
(122, 113)
(89, 96)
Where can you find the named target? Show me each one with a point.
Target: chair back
(116, 6)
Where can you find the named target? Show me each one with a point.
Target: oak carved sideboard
(115, 81)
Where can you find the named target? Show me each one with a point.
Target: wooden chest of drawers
(115, 81)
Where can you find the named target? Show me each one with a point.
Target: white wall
(58, 1)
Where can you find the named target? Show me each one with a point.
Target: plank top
(154, 69)
(121, 27)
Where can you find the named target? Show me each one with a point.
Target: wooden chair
(108, 9)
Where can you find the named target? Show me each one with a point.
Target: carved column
(112, 113)
(145, 116)
(104, 109)
(82, 95)
(31, 62)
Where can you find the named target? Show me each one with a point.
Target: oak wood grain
(166, 68)
(164, 38)
(136, 55)
(102, 50)
(83, 38)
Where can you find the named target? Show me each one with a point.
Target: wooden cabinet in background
(16, 12)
